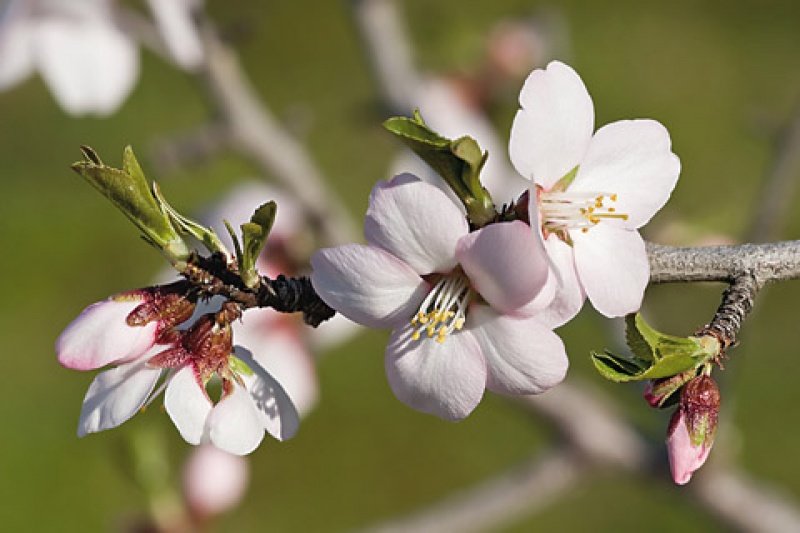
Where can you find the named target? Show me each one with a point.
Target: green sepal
(458, 162)
(565, 181)
(185, 225)
(129, 191)
(238, 366)
(654, 354)
(254, 237)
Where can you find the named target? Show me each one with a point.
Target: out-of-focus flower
(590, 192)
(214, 481)
(453, 298)
(692, 428)
(87, 61)
(175, 23)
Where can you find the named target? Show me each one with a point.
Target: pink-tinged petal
(89, 65)
(613, 268)
(522, 355)
(367, 285)
(684, 457)
(175, 23)
(116, 395)
(234, 424)
(100, 336)
(278, 414)
(551, 132)
(281, 352)
(443, 379)
(632, 159)
(506, 264)
(569, 295)
(415, 222)
(214, 481)
(187, 404)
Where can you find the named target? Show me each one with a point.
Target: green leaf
(239, 366)
(129, 191)
(206, 236)
(458, 162)
(254, 237)
(654, 354)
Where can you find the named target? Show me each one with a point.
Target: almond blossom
(590, 191)
(459, 302)
(136, 333)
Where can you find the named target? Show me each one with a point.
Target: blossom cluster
(471, 290)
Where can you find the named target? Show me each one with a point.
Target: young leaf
(655, 354)
(128, 190)
(205, 235)
(254, 237)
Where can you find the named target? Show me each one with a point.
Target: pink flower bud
(692, 428)
(214, 481)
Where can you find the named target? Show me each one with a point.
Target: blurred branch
(780, 185)
(258, 135)
(499, 501)
(189, 149)
(389, 52)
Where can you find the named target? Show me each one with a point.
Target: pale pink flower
(214, 481)
(452, 297)
(624, 173)
(684, 456)
(87, 61)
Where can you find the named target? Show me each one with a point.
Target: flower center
(565, 210)
(444, 309)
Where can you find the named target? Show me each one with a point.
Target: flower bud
(693, 427)
(659, 392)
(214, 481)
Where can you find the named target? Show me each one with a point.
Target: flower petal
(633, 159)
(444, 379)
(100, 335)
(89, 65)
(522, 355)
(684, 457)
(278, 414)
(367, 285)
(416, 222)
(234, 424)
(116, 395)
(281, 352)
(505, 262)
(187, 404)
(613, 268)
(551, 132)
(569, 295)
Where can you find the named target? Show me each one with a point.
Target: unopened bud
(214, 481)
(693, 427)
(659, 392)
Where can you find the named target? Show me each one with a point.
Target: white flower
(591, 192)
(454, 299)
(174, 21)
(86, 60)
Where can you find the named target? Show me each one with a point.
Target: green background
(722, 76)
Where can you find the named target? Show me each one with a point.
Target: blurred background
(724, 77)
